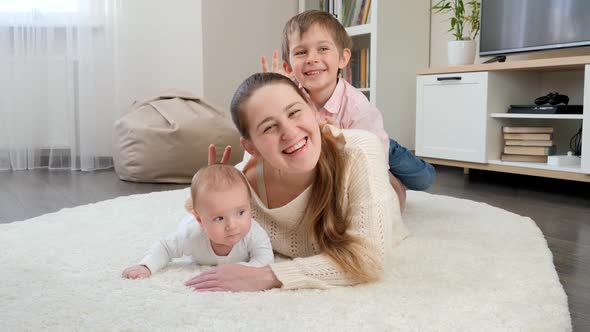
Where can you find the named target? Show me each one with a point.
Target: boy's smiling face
(314, 59)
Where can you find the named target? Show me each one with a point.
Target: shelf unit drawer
(451, 116)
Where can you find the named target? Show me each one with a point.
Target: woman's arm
(234, 278)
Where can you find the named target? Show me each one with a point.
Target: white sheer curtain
(57, 83)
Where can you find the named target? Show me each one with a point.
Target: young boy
(315, 47)
(219, 230)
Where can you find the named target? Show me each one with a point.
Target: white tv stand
(460, 111)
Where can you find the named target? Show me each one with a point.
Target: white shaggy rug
(466, 266)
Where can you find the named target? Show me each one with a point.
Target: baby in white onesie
(219, 229)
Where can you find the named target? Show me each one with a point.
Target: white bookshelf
(470, 103)
(397, 35)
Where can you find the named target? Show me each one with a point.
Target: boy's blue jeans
(413, 172)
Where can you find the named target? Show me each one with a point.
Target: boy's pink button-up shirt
(349, 108)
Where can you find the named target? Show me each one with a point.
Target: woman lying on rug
(322, 194)
(219, 230)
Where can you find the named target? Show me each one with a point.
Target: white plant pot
(461, 52)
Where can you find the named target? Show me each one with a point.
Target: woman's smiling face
(283, 129)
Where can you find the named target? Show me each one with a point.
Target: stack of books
(528, 144)
(358, 68)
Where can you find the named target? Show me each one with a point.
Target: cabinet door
(451, 116)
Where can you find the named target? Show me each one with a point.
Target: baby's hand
(136, 272)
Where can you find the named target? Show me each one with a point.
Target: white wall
(235, 35)
(439, 37)
(159, 47)
(204, 46)
(402, 43)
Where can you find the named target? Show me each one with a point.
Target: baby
(219, 230)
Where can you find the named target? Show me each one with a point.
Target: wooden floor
(560, 208)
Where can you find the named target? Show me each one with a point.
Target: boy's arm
(175, 245)
(259, 247)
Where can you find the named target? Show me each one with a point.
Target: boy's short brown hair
(300, 23)
(214, 177)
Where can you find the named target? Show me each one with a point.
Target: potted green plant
(464, 22)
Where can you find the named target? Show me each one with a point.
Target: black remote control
(499, 58)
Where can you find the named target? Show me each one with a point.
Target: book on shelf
(333, 7)
(524, 158)
(351, 72)
(368, 69)
(354, 7)
(360, 15)
(527, 136)
(523, 130)
(528, 142)
(357, 71)
(530, 150)
(367, 17)
(363, 69)
(347, 7)
(348, 12)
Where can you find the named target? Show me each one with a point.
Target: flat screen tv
(513, 26)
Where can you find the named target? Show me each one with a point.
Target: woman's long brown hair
(324, 216)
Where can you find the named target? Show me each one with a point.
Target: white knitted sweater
(371, 206)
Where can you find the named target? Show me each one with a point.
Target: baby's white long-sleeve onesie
(191, 240)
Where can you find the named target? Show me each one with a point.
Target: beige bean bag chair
(165, 139)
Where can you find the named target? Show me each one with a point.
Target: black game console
(499, 58)
(546, 109)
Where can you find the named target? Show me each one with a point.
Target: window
(54, 13)
(44, 6)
